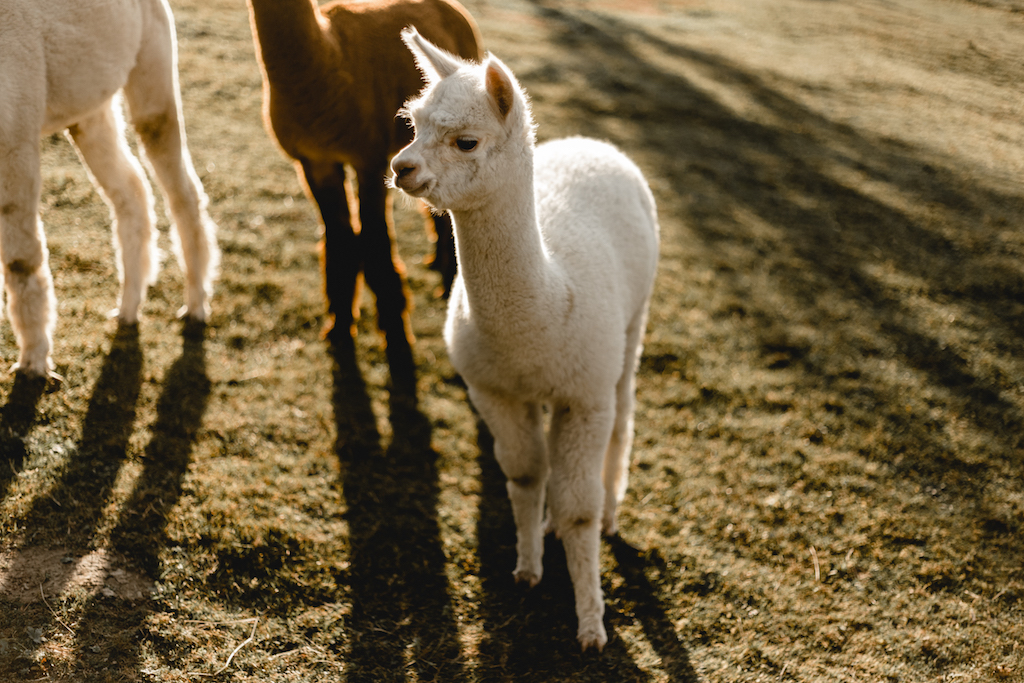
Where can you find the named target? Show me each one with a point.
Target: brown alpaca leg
(385, 274)
(339, 250)
(444, 251)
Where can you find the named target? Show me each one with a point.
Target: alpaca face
(452, 159)
(471, 123)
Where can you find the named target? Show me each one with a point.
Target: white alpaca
(557, 250)
(61, 64)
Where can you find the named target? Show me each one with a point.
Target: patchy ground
(827, 478)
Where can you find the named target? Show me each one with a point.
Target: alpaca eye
(465, 144)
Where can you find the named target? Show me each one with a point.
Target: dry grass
(827, 480)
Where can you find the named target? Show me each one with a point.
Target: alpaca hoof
(52, 379)
(610, 527)
(592, 637)
(198, 314)
(526, 576)
(126, 316)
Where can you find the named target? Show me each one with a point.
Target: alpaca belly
(90, 48)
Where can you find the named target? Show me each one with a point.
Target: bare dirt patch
(42, 574)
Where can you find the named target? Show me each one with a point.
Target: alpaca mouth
(418, 191)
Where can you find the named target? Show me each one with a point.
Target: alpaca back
(598, 221)
(333, 87)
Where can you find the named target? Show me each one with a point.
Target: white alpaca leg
(118, 175)
(616, 460)
(155, 105)
(30, 299)
(519, 447)
(579, 438)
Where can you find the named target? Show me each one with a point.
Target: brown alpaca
(334, 79)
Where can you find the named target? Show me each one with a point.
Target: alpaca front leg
(340, 262)
(99, 139)
(519, 447)
(578, 439)
(385, 274)
(30, 300)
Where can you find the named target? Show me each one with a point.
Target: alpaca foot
(34, 360)
(337, 334)
(610, 526)
(53, 380)
(549, 525)
(199, 313)
(527, 576)
(591, 634)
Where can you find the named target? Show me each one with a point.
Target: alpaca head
(473, 127)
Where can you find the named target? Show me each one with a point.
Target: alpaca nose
(403, 169)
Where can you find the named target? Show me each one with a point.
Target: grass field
(827, 480)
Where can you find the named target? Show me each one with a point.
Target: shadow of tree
(825, 246)
(402, 622)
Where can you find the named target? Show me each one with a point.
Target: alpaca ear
(434, 62)
(500, 87)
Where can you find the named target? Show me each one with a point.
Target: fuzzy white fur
(62, 63)
(557, 249)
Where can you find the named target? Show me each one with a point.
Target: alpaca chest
(534, 366)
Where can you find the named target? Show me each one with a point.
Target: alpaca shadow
(74, 508)
(402, 622)
(649, 609)
(530, 633)
(140, 533)
(16, 419)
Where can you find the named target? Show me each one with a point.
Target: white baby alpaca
(557, 250)
(61, 64)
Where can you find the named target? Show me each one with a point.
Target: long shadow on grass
(825, 243)
(16, 418)
(108, 632)
(73, 509)
(402, 624)
(530, 634)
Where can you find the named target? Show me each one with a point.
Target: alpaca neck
(289, 33)
(501, 256)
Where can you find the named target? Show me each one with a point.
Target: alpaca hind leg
(385, 274)
(99, 139)
(520, 449)
(578, 440)
(155, 106)
(340, 262)
(616, 460)
(31, 304)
